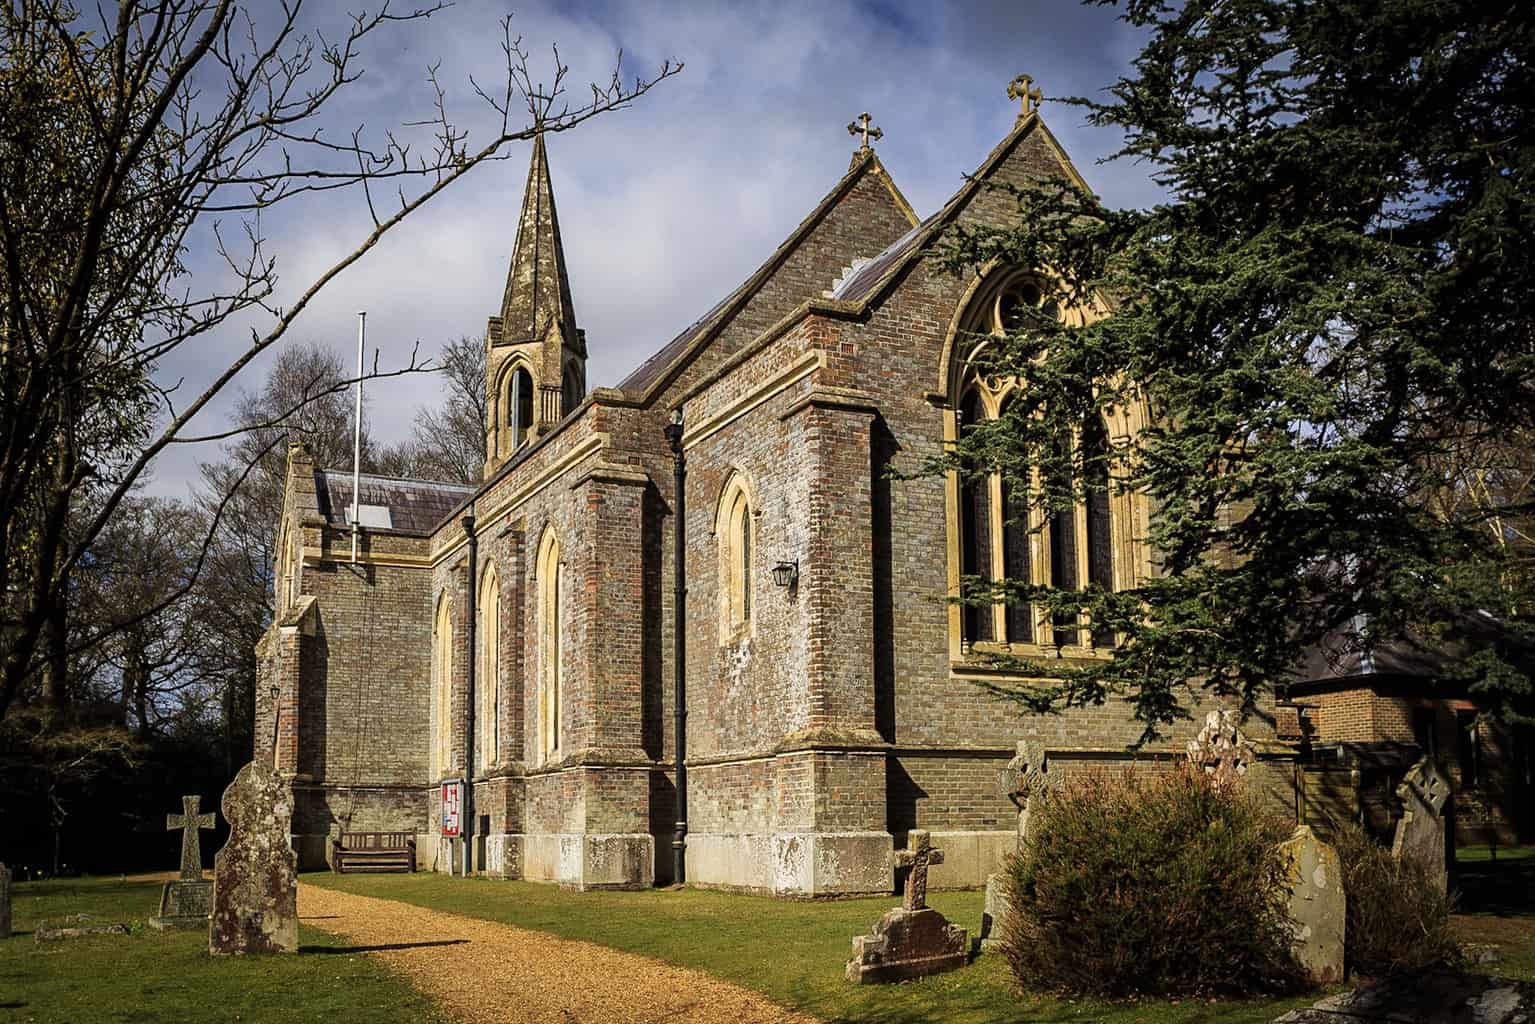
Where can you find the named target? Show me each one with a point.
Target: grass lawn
(164, 977)
(791, 951)
(1497, 904)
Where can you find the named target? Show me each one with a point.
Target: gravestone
(1026, 781)
(1420, 830)
(5, 902)
(255, 875)
(1221, 749)
(185, 903)
(1316, 905)
(911, 940)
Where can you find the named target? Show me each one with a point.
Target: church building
(521, 635)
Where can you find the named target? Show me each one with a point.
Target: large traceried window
(999, 534)
(441, 747)
(733, 528)
(487, 719)
(550, 657)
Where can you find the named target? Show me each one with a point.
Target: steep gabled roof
(871, 279)
(680, 350)
(537, 296)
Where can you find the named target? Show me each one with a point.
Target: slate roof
(1340, 656)
(415, 506)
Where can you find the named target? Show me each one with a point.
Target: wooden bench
(373, 851)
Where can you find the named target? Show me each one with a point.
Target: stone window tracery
(997, 532)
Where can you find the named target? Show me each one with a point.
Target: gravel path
(493, 973)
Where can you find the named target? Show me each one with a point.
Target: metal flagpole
(362, 321)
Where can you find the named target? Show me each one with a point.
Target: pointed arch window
(551, 669)
(516, 409)
(999, 534)
(571, 389)
(487, 723)
(734, 526)
(441, 746)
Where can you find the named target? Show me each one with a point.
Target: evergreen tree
(1329, 324)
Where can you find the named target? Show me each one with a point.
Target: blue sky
(667, 205)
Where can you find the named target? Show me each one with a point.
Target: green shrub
(1398, 917)
(1150, 883)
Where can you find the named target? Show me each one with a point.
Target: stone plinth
(907, 944)
(5, 902)
(1317, 906)
(255, 885)
(184, 905)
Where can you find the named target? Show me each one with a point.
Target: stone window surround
(735, 531)
(547, 579)
(500, 417)
(441, 752)
(487, 723)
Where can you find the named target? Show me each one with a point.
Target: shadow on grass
(383, 947)
(1504, 887)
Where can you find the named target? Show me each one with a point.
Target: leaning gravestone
(1025, 781)
(1317, 906)
(1420, 830)
(5, 902)
(185, 903)
(255, 875)
(911, 940)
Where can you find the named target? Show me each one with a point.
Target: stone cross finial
(918, 855)
(1025, 92)
(1025, 781)
(865, 129)
(189, 822)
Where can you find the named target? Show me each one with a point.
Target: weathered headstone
(911, 940)
(75, 926)
(185, 903)
(1025, 781)
(1221, 749)
(1317, 906)
(5, 902)
(255, 884)
(1420, 830)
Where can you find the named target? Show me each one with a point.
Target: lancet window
(551, 670)
(442, 688)
(734, 525)
(487, 722)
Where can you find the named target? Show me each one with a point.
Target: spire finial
(1022, 89)
(861, 126)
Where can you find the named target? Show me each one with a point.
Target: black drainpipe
(466, 830)
(679, 645)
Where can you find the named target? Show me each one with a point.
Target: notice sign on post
(452, 806)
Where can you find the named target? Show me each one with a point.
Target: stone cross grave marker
(190, 821)
(255, 875)
(920, 853)
(913, 939)
(1420, 830)
(1221, 749)
(1025, 781)
(185, 903)
(5, 902)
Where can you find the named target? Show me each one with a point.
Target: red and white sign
(452, 807)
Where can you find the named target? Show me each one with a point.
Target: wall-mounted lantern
(786, 574)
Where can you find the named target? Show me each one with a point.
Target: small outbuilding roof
(387, 503)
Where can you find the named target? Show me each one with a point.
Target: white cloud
(666, 206)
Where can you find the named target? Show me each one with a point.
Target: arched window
(734, 525)
(571, 391)
(442, 689)
(487, 718)
(517, 409)
(999, 534)
(550, 657)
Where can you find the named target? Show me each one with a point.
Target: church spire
(537, 297)
(535, 358)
